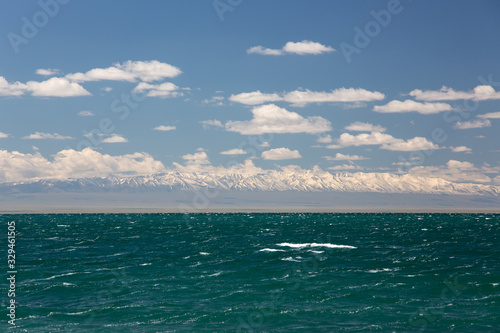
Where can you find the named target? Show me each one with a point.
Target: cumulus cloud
(385, 141)
(47, 72)
(273, 119)
(454, 171)
(209, 123)
(162, 90)
(130, 71)
(342, 157)
(412, 106)
(479, 93)
(16, 166)
(300, 48)
(235, 151)
(304, 97)
(364, 127)
(3, 135)
(115, 138)
(491, 115)
(460, 149)
(195, 159)
(53, 87)
(478, 123)
(44, 136)
(85, 113)
(325, 139)
(165, 128)
(280, 154)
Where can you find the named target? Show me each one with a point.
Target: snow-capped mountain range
(270, 180)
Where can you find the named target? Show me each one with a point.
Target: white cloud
(345, 167)
(217, 100)
(264, 144)
(255, 98)
(115, 138)
(386, 141)
(280, 154)
(130, 71)
(53, 87)
(162, 90)
(264, 51)
(415, 144)
(11, 89)
(479, 93)
(43, 136)
(460, 149)
(165, 128)
(233, 152)
(491, 115)
(363, 139)
(47, 72)
(342, 157)
(56, 87)
(454, 171)
(304, 97)
(410, 106)
(364, 127)
(300, 48)
(478, 123)
(325, 139)
(208, 123)
(3, 135)
(107, 89)
(273, 119)
(85, 113)
(195, 159)
(70, 163)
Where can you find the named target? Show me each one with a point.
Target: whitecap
(271, 250)
(328, 245)
(146, 264)
(204, 253)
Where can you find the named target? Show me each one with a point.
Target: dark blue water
(255, 273)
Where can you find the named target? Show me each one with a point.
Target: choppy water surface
(256, 272)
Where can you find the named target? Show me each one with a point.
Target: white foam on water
(204, 253)
(328, 245)
(146, 264)
(271, 250)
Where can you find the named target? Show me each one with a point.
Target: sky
(91, 88)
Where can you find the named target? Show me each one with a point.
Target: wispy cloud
(301, 48)
(165, 128)
(364, 127)
(304, 97)
(115, 138)
(85, 113)
(479, 93)
(412, 106)
(342, 157)
(477, 123)
(45, 136)
(47, 72)
(235, 151)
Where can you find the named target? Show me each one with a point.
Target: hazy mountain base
(244, 201)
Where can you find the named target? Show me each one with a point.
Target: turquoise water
(255, 273)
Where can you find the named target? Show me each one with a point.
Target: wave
(328, 245)
(271, 250)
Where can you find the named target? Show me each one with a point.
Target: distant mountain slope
(302, 180)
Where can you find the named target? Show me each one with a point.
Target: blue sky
(199, 61)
